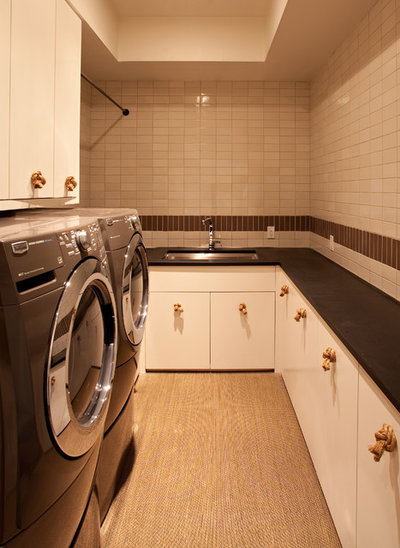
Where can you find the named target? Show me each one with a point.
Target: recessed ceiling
(307, 33)
(191, 8)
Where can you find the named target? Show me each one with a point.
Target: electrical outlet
(270, 232)
(331, 243)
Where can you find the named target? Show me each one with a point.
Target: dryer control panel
(118, 230)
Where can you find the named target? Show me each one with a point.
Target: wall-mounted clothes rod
(125, 111)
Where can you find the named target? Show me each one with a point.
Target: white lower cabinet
(329, 422)
(178, 339)
(338, 406)
(378, 500)
(198, 322)
(242, 330)
(325, 401)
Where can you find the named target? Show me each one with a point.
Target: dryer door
(135, 289)
(81, 359)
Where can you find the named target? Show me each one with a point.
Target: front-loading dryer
(58, 333)
(126, 253)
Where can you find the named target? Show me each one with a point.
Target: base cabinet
(206, 325)
(324, 396)
(242, 330)
(378, 500)
(178, 339)
(339, 409)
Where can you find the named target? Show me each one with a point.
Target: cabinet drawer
(212, 278)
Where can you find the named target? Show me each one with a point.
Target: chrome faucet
(211, 241)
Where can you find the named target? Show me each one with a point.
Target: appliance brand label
(30, 272)
(37, 242)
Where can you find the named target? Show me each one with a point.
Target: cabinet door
(178, 339)
(67, 100)
(32, 96)
(378, 497)
(238, 340)
(5, 22)
(328, 418)
(291, 342)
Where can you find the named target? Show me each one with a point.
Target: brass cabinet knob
(300, 313)
(329, 356)
(243, 309)
(70, 183)
(37, 179)
(284, 291)
(178, 307)
(385, 441)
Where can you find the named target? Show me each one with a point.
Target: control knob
(82, 240)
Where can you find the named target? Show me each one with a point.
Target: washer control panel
(84, 240)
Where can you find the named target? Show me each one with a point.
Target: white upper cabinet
(5, 17)
(32, 96)
(67, 101)
(40, 94)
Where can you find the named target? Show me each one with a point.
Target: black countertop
(364, 318)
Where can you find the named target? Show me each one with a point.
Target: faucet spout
(211, 241)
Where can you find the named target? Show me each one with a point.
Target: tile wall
(355, 135)
(85, 142)
(202, 148)
(326, 152)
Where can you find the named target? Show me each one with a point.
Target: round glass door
(135, 290)
(82, 359)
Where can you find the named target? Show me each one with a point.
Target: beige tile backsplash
(328, 148)
(201, 148)
(355, 138)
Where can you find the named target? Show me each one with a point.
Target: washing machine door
(81, 359)
(135, 290)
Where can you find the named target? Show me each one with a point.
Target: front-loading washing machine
(58, 333)
(126, 254)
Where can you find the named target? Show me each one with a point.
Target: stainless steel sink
(214, 255)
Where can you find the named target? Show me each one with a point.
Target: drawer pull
(301, 313)
(284, 291)
(330, 357)
(178, 307)
(243, 309)
(70, 183)
(385, 441)
(37, 180)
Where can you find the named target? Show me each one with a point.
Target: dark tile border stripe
(380, 248)
(230, 223)
(375, 246)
